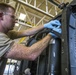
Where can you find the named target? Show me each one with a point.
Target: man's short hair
(4, 7)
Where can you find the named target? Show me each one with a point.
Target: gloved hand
(52, 24)
(57, 30)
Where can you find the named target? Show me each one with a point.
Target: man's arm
(36, 29)
(52, 24)
(19, 51)
(29, 31)
(18, 34)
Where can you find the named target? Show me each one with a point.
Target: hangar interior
(31, 13)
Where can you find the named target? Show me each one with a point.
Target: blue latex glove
(57, 30)
(52, 24)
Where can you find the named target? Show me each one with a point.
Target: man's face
(9, 19)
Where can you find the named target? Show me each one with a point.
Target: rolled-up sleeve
(5, 44)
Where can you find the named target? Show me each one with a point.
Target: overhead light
(22, 16)
(16, 24)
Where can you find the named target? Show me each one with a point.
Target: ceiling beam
(35, 8)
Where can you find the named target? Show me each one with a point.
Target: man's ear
(1, 16)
